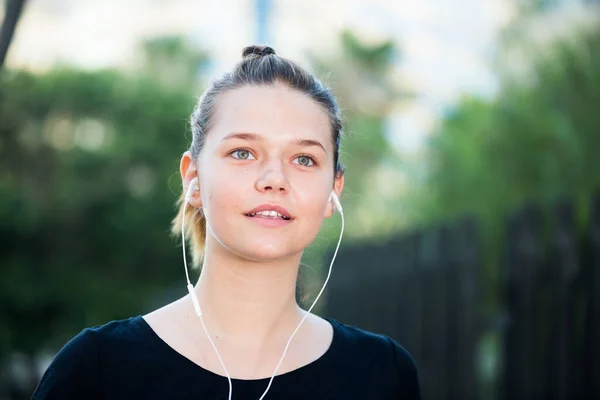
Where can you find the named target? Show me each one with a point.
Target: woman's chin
(262, 248)
(267, 252)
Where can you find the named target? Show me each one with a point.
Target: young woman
(262, 173)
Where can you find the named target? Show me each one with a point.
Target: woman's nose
(273, 178)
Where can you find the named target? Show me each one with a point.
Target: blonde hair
(259, 66)
(195, 229)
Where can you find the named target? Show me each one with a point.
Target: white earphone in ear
(336, 202)
(193, 186)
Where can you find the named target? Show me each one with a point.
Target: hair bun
(257, 50)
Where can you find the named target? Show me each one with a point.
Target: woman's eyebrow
(310, 142)
(243, 136)
(256, 137)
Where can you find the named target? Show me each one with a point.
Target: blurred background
(471, 200)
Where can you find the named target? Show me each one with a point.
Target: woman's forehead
(273, 112)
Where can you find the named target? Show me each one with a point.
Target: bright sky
(445, 43)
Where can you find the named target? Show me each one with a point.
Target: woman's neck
(248, 301)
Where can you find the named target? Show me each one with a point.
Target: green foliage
(537, 141)
(375, 58)
(86, 160)
(172, 61)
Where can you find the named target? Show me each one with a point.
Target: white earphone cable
(311, 307)
(195, 298)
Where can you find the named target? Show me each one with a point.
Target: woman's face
(266, 172)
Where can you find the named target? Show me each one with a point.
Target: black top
(126, 359)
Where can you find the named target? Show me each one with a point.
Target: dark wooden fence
(424, 289)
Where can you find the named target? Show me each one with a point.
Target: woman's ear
(189, 171)
(338, 185)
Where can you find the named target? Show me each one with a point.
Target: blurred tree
(172, 61)
(536, 141)
(86, 198)
(363, 78)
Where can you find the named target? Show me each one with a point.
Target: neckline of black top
(320, 364)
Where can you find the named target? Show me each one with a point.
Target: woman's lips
(271, 207)
(270, 222)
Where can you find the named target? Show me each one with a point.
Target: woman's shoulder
(116, 332)
(365, 340)
(120, 330)
(379, 351)
(94, 339)
(77, 366)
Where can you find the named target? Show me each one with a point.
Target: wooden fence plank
(467, 262)
(524, 262)
(592, 274)
(565, 271)
(433, 352)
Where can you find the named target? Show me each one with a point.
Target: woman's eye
(242, 154)
(305, 161)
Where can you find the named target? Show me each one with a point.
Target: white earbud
(333, 197)
(193, 187)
